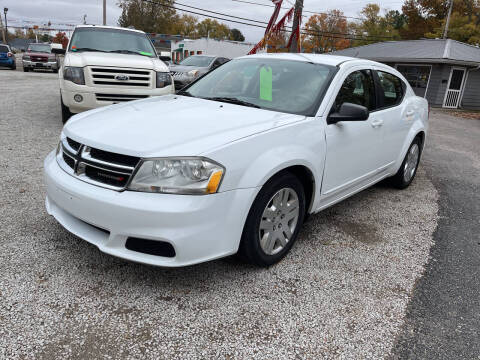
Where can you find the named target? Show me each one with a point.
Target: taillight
(9, 54)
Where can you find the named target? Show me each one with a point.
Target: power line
(309, 32)
(266, 23)
(305, 11)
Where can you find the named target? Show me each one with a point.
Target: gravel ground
(341, 293)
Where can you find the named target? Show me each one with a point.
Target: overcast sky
(72, 11)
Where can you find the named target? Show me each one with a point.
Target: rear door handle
(377, 123)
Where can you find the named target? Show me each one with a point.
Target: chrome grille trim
(102, 76)
(83, 160)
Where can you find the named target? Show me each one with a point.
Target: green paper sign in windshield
(266, 83)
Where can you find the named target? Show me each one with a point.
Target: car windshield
(3, 49)
(295, 87)
(111, 40)
(40, 48)
(200, 61)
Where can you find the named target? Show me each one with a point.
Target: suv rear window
(3, 49)
(392, 89)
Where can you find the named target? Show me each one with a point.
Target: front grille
(39, 59)
(119, 97)
(108, 76)
(114, 158)
(73, 144)
(106, 176)
(69, 160)
(96, 166)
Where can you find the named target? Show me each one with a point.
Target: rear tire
(274, 221)
(405, 175)
(25, 69)
(66, 113)
(14, 67)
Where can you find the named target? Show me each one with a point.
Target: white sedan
(235, 161)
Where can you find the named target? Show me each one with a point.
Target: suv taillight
(9, 54)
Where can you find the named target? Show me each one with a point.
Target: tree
(45, 38)
(185, 25)
(19, 34)
(148, 16)
(323, 32)
(61, 38)
(236, 35)
(374, 26)
(427, 18)
(30, 34)
(213, 29)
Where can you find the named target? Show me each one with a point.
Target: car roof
(109, 27)
(325, 59)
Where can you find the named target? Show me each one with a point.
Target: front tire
(405, 175)
(66, 113)
(274, 221)
(25, 69)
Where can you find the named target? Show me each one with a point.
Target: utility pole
(297, 21)
(104, 12)
(3, 30)
(445, 33)
(6, 25)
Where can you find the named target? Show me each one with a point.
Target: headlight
(186, 175)
(26, 57)
(74, 74)
(163, 79)
(192, 73)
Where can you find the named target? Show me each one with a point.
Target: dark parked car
(193, 67)
(7, 57)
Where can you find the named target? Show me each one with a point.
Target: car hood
(39, 54)
(171, 125)
(184, 69)
(87, 58)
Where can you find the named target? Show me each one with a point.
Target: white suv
(107, 65)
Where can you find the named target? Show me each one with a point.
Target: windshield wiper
(185, 93)
(233, 100)
(88, 49)
(128, 52)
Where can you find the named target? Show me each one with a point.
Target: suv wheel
(274, 221)
(66, 113)
(25, 69)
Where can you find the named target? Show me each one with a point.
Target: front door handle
(377, 123)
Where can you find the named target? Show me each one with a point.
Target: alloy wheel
(279, 221)
(411, 163)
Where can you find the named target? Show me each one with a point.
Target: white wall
(224, 48)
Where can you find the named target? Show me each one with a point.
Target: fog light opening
(78, 98)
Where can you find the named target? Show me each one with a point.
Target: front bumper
(200, 228)
(51, 65)
(7, 62)
(181, 80)
(92, 97)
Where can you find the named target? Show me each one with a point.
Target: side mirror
(58, 51)
(349, 112)
(165, 58)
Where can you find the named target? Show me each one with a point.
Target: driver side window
(358, 88)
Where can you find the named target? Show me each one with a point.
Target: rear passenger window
(358, 88)
(392, 89)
